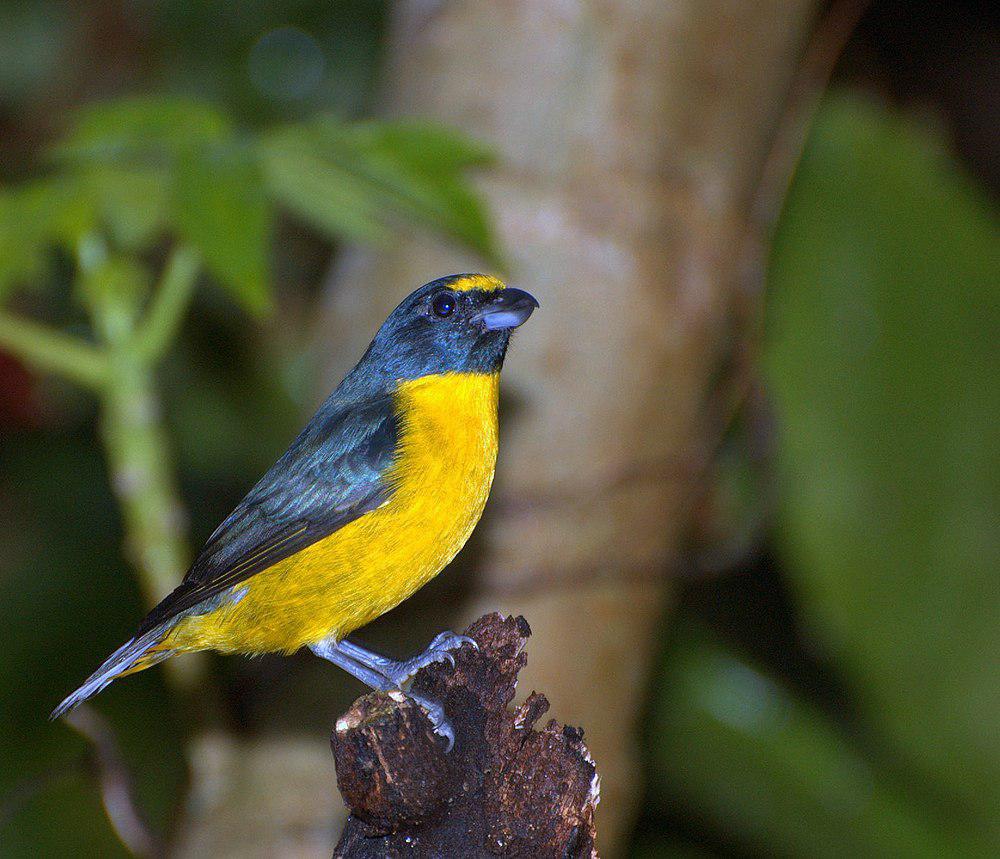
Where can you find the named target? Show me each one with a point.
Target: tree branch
(505, 789)
(117, 793)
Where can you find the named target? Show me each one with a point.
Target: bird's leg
(365, 666)
(439, 650)
(331, 651)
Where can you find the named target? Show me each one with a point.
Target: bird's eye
(444, 304)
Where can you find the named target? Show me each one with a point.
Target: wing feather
(333, 473)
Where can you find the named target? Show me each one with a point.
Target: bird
(375, 497)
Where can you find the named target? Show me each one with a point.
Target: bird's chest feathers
(446, 456)
(441, 476)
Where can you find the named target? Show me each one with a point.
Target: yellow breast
(441, 477)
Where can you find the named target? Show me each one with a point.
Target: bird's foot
(439, 650)
(391, 676)
(435, 714)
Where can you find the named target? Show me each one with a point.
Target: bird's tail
(135, 655)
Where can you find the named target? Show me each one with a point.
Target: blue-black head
(457, 324)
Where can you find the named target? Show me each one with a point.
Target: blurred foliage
(32, 38)
(349, 178)
(881, 357)
(67, 598)
(773, 772)
(270, 60)
(888, 411)
(265, 61)
(137, 168)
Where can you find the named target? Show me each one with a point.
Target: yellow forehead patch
(468, 282)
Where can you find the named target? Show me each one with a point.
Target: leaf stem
(169, 303)
(142, 475)
(135, 440)
(137, 450)
(50, 351)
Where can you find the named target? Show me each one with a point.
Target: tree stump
(505, 789)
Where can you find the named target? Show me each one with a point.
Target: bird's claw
(449, 640)
(439, 650)
(435, 714)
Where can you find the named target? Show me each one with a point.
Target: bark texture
(631, 134)
(505, 789)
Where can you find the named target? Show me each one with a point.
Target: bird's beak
(508, 309)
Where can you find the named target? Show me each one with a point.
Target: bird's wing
(333, 473)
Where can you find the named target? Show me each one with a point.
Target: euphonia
(373, 499)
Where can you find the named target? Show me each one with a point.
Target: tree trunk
(631, 136)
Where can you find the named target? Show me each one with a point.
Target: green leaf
(319, 191)
(773, 772)
(23, 237)
(882, 356)
(425, 146)
(221, 210)
(126, 155)
(358, 181)
(141, 128)
(132, 202)
(34, 218)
